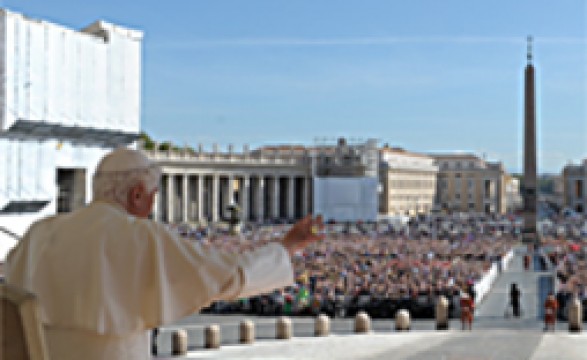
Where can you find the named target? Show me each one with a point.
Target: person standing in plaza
(467, 311)
(550, 308)
(515, 295)
(527, 262)
(105, 275)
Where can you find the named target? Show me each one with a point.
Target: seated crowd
(375, 267)
(565, 251)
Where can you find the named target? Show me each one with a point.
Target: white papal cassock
(104, 278)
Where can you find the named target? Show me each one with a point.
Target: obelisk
(529, 234)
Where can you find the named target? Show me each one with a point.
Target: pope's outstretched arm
(187, 276)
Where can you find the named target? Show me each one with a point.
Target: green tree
(164, 146)
(149, 144)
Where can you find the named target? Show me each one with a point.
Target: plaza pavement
(452, 345)
(494, 337)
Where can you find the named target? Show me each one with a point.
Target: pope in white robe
(105, 275)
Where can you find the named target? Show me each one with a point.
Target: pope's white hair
(114, 184)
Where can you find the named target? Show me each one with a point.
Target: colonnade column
(215, 186)
(186, 199)
(275, 199)
(291, 197)
(584, 183)
(305, 196)
(200, 199)
(170, 198)
(261, 199)
(244, 198)
(155, 211)
(229, 196)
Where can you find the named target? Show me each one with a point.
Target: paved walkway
(494, 337)
(534, 286)
(452, 345)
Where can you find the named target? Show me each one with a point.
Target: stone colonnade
(205, 197)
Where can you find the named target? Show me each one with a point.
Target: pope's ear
(135, 193)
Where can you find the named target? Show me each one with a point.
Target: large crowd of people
(564, 251)
(376, 267)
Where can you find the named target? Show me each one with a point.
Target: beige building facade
(575, 186)
(513, 201)
(467, 183)
(407, 182)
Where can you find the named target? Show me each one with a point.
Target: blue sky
(429, 76)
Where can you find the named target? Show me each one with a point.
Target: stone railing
(483, 286)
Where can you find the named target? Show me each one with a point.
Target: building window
(488, 192)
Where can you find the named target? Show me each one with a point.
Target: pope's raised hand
(303, 233)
